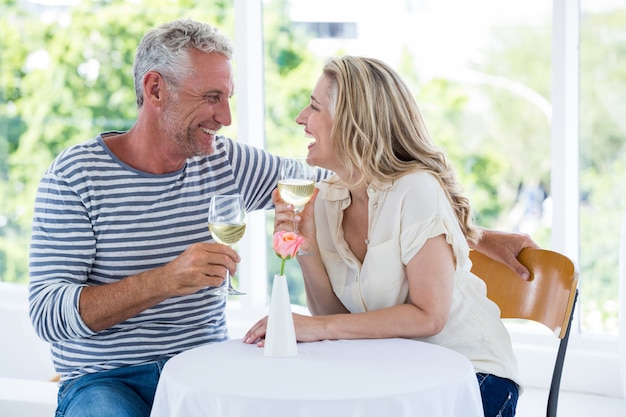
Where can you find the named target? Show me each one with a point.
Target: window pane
(602, 159)
(482, 81)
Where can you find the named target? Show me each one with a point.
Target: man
(121, 257)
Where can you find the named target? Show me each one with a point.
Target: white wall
(25, 363)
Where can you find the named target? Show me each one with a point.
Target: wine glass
(227, 224)
(296, 183)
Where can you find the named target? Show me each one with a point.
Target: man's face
(200, 107)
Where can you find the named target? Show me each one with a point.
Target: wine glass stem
(228, 279)
(228, 284)
(295, 224)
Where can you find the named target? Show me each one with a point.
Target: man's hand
(504, 247)
(201, 265)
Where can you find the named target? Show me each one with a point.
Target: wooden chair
(548, 298)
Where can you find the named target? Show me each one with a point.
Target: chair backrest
(547, 298)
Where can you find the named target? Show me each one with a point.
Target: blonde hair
(378, 130)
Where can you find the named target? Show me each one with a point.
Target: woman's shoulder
(417, 181)
(330, 182)
(332, 188)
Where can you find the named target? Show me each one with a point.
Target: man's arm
(504, 247)
(64, 305)
(201, 265)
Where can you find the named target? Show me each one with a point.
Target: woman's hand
(284, 218)
(307, 330)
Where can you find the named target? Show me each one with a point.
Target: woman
(386, 236)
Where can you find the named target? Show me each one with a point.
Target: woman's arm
(431, 284)
(431, 275)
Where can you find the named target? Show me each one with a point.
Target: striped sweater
(97, 220)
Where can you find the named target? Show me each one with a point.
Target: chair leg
(555, 385)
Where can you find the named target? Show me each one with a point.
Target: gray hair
(166, 50)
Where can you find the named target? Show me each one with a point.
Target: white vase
(280, 336)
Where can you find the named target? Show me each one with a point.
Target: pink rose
(286, 245)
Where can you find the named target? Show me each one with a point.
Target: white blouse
(402, 216)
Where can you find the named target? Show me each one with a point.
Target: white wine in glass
(227, 224)
(297, 183)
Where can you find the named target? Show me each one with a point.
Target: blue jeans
(499, 395)
(122, 392)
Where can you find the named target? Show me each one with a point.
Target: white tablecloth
(377, 378)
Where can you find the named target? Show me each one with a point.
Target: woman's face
(317, 123)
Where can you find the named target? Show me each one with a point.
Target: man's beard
(184, 138)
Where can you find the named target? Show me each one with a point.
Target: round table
(381, 377)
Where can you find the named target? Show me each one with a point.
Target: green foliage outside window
(63, 81)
